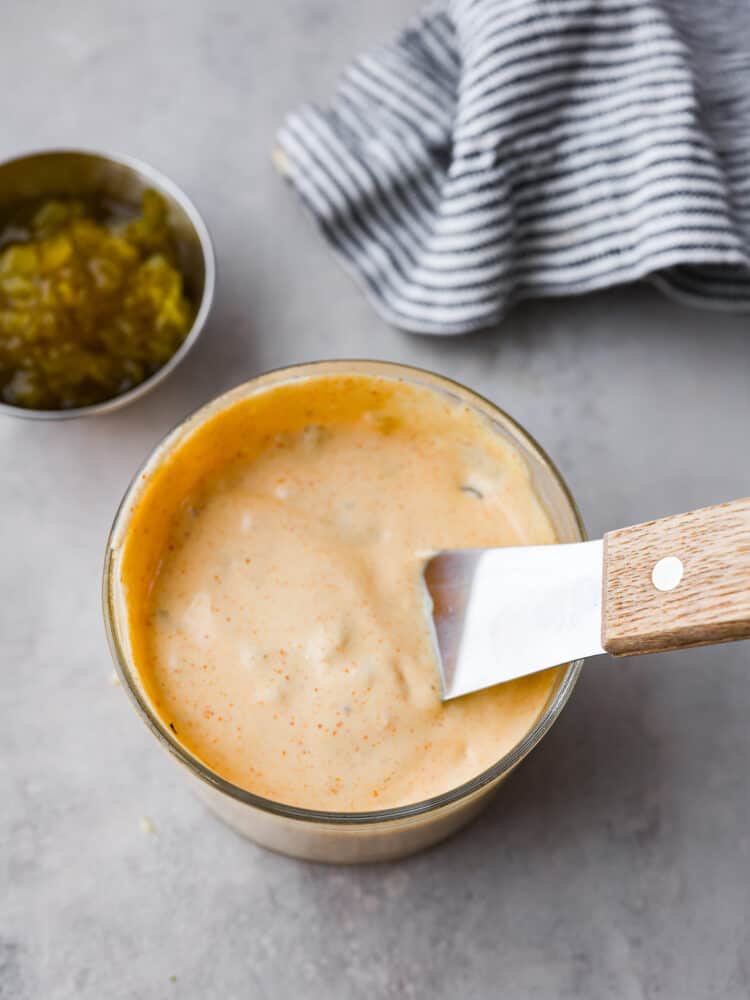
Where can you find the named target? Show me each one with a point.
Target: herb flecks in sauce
(472, 491)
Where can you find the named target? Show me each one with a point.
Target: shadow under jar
(310, 833)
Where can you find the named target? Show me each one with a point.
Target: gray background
(615, 862)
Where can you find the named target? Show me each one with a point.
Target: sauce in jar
(277, 614)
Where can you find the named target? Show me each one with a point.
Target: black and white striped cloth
(502, 149)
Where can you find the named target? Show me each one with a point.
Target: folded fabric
(503, 149)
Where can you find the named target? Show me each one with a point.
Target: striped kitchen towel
(502, 149)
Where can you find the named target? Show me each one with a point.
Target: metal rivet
(667, 573)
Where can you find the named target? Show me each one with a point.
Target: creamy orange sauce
(276, 610)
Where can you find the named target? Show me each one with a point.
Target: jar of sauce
(265, 607)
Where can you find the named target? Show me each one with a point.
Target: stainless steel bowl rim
(159, 180)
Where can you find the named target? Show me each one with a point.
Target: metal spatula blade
(504, 613)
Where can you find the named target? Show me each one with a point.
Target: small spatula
(668, 584)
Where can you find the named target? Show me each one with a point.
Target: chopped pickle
(88, 307)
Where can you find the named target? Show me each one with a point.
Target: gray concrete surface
(615, 862)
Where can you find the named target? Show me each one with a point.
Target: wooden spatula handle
(681, 581)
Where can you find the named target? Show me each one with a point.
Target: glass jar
(307, 833)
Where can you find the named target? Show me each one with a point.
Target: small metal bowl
(75, 173)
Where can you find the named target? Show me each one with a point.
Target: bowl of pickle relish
(106, 280)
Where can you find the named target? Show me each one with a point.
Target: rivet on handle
(667, 573)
